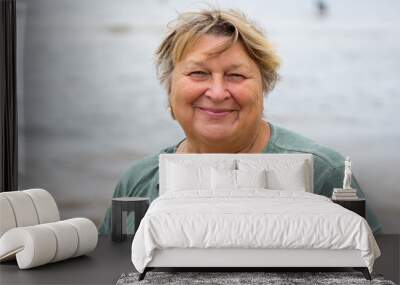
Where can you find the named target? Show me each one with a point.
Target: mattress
(250, 219)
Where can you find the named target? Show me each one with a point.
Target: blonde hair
(190, 26)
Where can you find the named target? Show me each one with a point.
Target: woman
(216, 67)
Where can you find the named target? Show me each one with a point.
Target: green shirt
(141, 179)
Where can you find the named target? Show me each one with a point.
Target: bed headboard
(271, 161)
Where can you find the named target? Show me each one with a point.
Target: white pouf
(45, 205)
(33, 246)
(23, 208)
(87, 233)
(67, 239)
(7, 220)
(26, 208)
(40, 244)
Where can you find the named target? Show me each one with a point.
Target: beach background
(90, 105)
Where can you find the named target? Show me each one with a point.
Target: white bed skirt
(236, 257)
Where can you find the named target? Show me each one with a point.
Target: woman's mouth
(216, 112)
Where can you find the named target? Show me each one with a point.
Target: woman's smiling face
(219, 98)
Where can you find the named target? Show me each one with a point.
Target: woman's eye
(236, 76)
(198, 74)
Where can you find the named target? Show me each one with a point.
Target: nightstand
(138, 205)
(357, 206)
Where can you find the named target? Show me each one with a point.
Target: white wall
(92, 105)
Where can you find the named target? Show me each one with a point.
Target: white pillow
(193, 174)
(251, 178)
(282, 174)
(181, 177)
(235, 179)
(223, 179)
(293, 179)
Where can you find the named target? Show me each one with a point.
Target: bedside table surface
(349, 200)
(130, 199)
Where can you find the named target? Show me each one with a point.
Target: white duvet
(253, 218)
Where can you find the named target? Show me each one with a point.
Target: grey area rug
(269, 278)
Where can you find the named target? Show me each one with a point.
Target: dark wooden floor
(110, 260)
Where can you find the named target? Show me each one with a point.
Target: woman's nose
(217, 90)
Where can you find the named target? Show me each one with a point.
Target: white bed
(247, 210)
